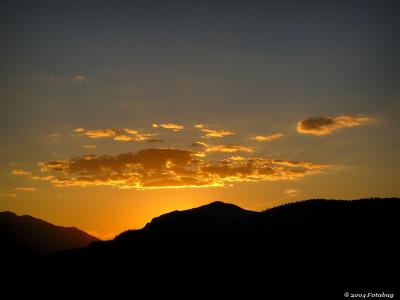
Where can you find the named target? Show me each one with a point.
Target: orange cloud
(174, 127)
(20, 172)
(211, 133)
(228, 148)
(11, 195)
(122, 134)
(169, 168)
(267, 138)
(199, 145)
(328, 124)
(306, 165)
(292, 192)
(26, 189)
(89, 146)
(222, 148)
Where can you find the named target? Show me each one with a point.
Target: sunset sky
(114, 112)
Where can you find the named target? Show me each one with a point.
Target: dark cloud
(328, 124)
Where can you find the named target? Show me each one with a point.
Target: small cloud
(328, 124)
(10, 195)
(119, 134)
(211, 133)
(26, 189)
(20, 172)
(130, 131)
(292, 192)
(124, 138)
(89, 146)
(55, 135)
(79, 130)
(101, 133)
(228, 148)
(222, 148)
(172, 126)
(236, 157)
(267, 138)
(199, 145)
(80, 77)
(299, 164)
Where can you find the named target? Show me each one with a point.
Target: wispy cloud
(172, 126)
(199, 145)
(327, 124)
(26, 189)
(222, 148)
(20, 172)
(292, 192)
(55, 136)
(267, 138)
(228, 148)
(79, 77)
(213, 133)
(170, 168)
(119, 134)
(8, 195)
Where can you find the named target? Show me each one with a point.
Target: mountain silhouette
(316, 242)
(22, 236)
(308, 240)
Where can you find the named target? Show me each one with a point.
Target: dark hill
(340, 246)
(25, 236)
(346, 242)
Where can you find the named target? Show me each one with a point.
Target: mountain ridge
(27, 235)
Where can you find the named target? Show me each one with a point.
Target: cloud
(228, 148)
(89, 146)
(221, 148)
(11, 195)
(26, 189)
(267, 138)
(237, 157)
(292, 192)
(169, 168)
(328, 124)
(306, 165)
(172, 126)
(20, 172)
(120, 134)
(199, 145)
(79, 77)
(55, 136)
(211, 133)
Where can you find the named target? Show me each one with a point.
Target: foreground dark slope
(25, 236)
(346, 241)
(330, 245)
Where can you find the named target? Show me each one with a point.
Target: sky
(114, 112)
